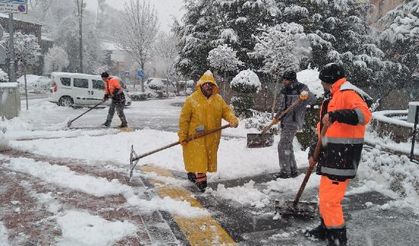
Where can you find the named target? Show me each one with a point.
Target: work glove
(183, 142)
(275, 121)
(304, 95)
(105, 97)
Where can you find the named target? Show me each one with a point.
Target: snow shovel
(71, 121)
(296, 208)
(264, 139)
(134, 158)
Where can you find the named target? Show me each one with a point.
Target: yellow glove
(304, 95)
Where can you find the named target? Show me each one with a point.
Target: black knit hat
(289, 75)
(104, 75)
(331, 72)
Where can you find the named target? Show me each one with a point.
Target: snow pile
(246, 78)
(246, 194)
(310, 77)
(78, 227)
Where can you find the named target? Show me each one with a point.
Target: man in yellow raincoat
(201, 112)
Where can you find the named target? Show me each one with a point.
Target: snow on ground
(44, 128)
(235, 160)
(3, 234)
(80, 231)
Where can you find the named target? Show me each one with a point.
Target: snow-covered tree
(197, 36)
(56, 60)
(339, 32)
(282, 47)
(224, 59)
(139, 32)
(400, 38)
(3, 76)
(26, 48)
(165, 51)
(245, 84)
(242, 19)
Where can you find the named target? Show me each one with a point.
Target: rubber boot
(106, 124)
(201, 181)
(192, 177)
(337, 237)
(320, 232)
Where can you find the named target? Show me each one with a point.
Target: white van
(78, 89)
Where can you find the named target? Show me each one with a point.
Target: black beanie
(289, 75)
(331, 72)
(104, 75)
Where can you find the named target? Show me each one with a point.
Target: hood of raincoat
(207, 77)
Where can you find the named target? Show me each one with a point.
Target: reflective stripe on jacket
(340, 157)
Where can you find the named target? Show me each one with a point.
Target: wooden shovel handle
(283, 113)
(176, 143)
(310, 168)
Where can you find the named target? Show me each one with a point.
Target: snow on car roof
(61, 74)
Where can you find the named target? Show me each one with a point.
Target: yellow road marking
(126, 129)
(203, 230)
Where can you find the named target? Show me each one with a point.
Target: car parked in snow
(78, 89)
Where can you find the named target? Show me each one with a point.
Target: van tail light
(54, 87)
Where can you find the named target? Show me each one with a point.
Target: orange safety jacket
(342, 144)
(112, 86)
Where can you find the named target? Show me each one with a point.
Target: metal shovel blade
(259, 140)
(306, 210)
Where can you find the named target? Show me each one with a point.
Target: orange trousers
(331, 194)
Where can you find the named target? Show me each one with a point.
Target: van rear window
(81, 83)
(98, 84)
(65, 81)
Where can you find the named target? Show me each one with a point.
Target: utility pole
(80, 13)
(12, 71)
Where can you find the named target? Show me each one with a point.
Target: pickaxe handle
(316, 156)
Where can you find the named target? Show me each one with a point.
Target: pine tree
(197, 36)
(400, 38)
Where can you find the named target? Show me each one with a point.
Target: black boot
(201, 185)
(106, 124)
(320, 232)
(282, 175)
(192, 177)
(337, 237)
(201, 181)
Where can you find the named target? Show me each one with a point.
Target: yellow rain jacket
(200, 155)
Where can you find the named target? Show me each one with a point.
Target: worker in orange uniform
(345, 114)
(114, 90)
